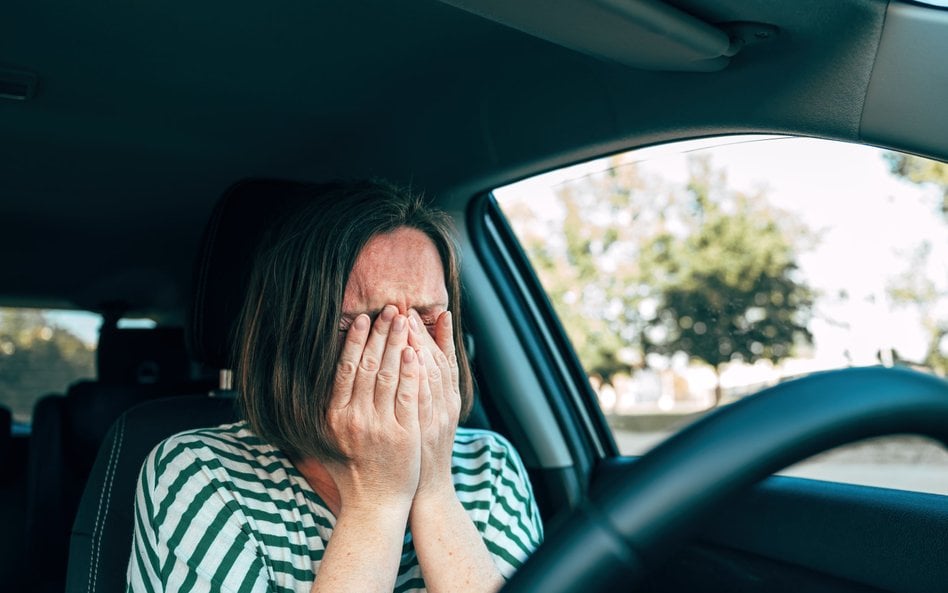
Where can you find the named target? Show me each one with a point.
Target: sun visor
(644, 34)
(905, 104)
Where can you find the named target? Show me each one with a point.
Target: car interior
(147, 146)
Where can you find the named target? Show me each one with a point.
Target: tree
(621, 242)
(585, 260)
(921, 171)
(37, 358)
(915, 287)
(728, 283)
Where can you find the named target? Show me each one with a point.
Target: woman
(348, 471)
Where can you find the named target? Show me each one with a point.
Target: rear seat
(12, 502)
(134, 365)
(6, 440)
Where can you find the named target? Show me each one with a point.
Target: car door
(609, 273)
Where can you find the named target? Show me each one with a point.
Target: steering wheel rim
(627, 529)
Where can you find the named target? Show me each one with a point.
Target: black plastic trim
(877, 537)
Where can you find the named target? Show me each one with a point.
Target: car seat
(101, 536)
(134, 365)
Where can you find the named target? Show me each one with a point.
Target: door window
(688, 276)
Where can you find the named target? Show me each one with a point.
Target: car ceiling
(145, 112)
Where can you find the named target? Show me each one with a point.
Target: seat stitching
(106, 496)
(108, 500)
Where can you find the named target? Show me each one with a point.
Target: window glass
(691, 275)
(136, 323)
(41, 352)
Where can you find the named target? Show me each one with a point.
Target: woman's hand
(439, 404)
(374, 415)
(451, 552)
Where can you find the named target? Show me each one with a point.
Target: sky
(869, 224)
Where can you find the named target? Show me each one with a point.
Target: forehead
(402, 268)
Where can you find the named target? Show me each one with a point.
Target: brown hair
(287, 346)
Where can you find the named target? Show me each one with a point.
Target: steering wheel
(628, 528)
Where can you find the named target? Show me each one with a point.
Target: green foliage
(37, 358)
(921, 170)
(937, 356)
(915, 287)
(584, 265)
(635, 267)
(728, 286)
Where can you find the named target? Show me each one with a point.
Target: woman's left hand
(451, 550)
(439, 403)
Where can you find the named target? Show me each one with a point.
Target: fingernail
(388, 312)
(362, 322)
(413, 323)
(446, 319)
(421, 359)
(399, 324)
(408, 354)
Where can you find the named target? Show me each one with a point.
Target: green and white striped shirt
(218, 509)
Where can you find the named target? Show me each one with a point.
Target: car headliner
(145, 112)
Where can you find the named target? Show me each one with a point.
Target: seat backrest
(102, 533)
(100, 544)
(12, 501)
(135, 365)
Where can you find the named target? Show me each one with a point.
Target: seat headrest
(223, 265)
(136, 356)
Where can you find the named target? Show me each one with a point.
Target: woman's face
(401, 268)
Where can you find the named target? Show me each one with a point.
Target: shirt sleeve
(513, 529)
(189, 535)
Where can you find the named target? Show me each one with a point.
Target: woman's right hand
(374, 414)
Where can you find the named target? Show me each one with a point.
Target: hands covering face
(394, 411)
(439, 403)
